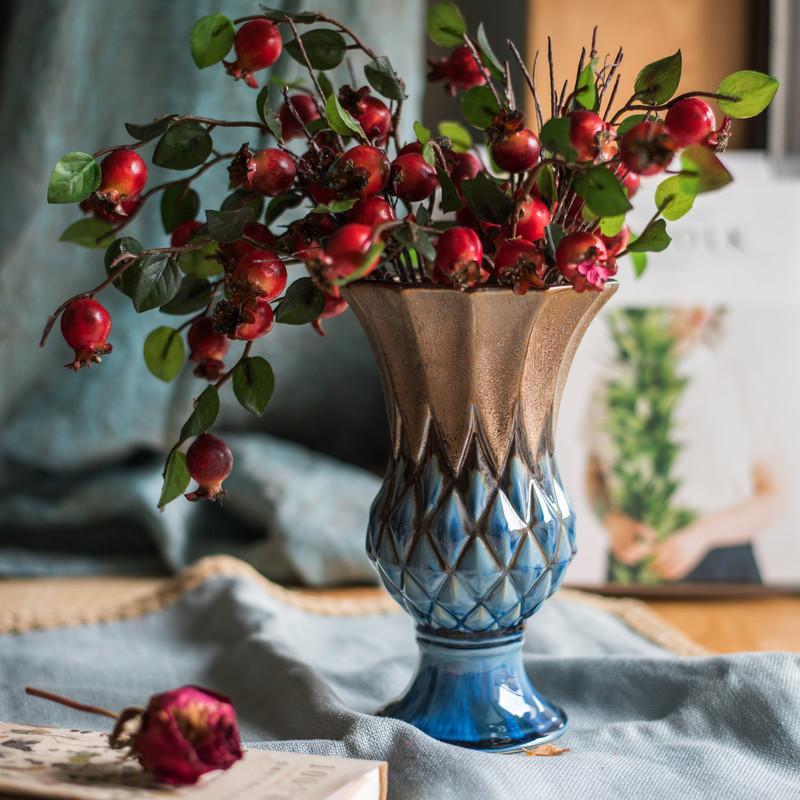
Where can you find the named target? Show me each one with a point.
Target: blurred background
(80, 455)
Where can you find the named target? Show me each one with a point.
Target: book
(76, 764)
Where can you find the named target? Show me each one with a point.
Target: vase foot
(475, 693)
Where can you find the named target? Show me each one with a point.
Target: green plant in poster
(640, 410)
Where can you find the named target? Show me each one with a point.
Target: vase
(472, 529)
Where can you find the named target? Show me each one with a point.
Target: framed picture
(683, 468)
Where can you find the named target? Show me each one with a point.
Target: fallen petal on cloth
(643, 722)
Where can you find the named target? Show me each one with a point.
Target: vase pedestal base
(475, 693)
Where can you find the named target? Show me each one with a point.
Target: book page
(79, 765)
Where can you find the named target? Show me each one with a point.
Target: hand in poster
(630, 541)
(677, 555)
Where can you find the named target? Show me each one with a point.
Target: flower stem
(65, 701)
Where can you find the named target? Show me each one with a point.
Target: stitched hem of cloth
(634, 613)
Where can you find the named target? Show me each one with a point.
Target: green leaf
(451, 199)
(202, 263)
(267, 115)
(128, 245)
(546, 184)
(179, 203)
(653, 239)
(325, 48)
(303, 303)
(460, 138)
(486, 199)
(702, 171)
(422, 133)
(672, 199)
(429, 154)
(155, 280)
(585, 92)
(478, 106)
(241, 198)
(602, 191)
(487, 54)
(639, 261)
(253, 384)
(553, 234)
(193, 294)
(283, 202)
(184, 146)
(176, 478)
(555, 138)
(384, 80)
(341, 121)
(74, 178)
(211, 39)
(150, 130)
(445, 25)
(657, 82)
(86, 232)
(335, 206)
(206, 408)
(228, 226)
(755, 91)
(164, 353)
(611, 226)
(325, 84)
(630, 122)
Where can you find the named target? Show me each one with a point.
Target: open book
(80, 765)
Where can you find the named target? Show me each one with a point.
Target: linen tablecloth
(644, 722)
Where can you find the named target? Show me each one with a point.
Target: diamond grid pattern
(475, 551)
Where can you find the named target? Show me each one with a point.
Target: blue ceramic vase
(472, 529)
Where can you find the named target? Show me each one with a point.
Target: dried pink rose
(185, 733)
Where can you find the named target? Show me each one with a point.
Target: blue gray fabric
(643, 723)
(73, 71)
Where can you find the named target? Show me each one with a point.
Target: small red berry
(372, 211)
(616, 244)
(258, 45)
(518, 151)
(209, 461)
(371, 166)
(690, 121)
(590, 137)
(534, 217)
(411, 147)
(462, 69)
(207, 348)
(372, 114)
(583, 260)
(520, 264)
(235, 251)
(647, 148)
(413, 178)
(459, 259)
(258, 319)
(465, 167)
(306, 109)
(182, 235)
(274, 172)
(123, 176)
(346, 250)
(85, 326)
(261, 271)
(630, 180)
(334, 306)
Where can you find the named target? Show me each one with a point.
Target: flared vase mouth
(402, 288)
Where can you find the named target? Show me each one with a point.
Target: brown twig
(611, 99)
(65, 701)
(553, 108)
(227, 375)
(482, 67)
(528, 77)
